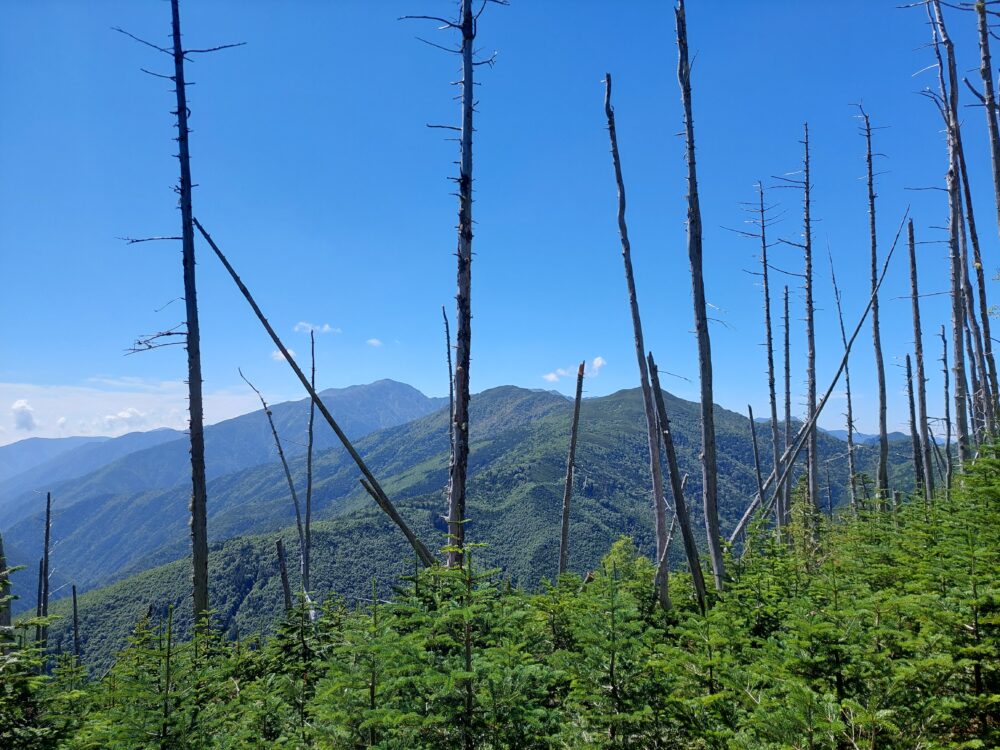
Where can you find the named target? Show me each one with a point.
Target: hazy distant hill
(29, 453)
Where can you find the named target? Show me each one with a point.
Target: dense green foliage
(875, 631)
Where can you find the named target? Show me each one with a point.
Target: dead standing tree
(918, 453)
(709, 472)
(851, 469)
(4, 590)
(652, 437)
(192, 333)
(988, 98)
(921, 383)
(467, 26)
(786, 490)
(570, 470)
(307, 530)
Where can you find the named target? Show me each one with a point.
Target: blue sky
(318, 177)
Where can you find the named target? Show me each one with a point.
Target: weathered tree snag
(786, 490)
(812, 448)
(851, 470)
(883, 436)
(652, 438)
(949, 108)
(463, 333)
(708, 456)
(989, 99)
(756, 453)
(286, 589)
(570, 469)
(451, 382)
(979, 372)
(4, 589)
(373, 487)
(38, 600)
(46, 570)
(918, 453)
(788, 459)
(977, 413)
(307, 535)
(76, 628)
(677, 483)
(921, 384)
(949, 469)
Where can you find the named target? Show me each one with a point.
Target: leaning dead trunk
(677, 487)
(652, 438)
(709, 476)
(883, 435)
(918, 453)
(199, 494)
(851, 469)
(921, 384)
(463, 319)
(570, 469)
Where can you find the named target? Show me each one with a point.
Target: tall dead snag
(923, 429)
(883, 435)
(948, 103)
(988, 98)
(369, 481)
(652, 438)
(756, 453)
(451, 381)
(947, 416)
(851, 470)
(4, 589)
(570, 469)
(307, 530)
(199, 492)
(709, 475)
(286, 589)
(76, 628)
(918, 453)
(38, 600)
(786, 490)
(677, 487)
(46, 570)
(812, 448)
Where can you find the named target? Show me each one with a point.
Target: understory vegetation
(878, 629)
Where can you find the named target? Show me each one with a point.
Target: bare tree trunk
(812, 448)
(286, 589)
(4, 589)
(756, 454)
(570, 469)
(851, 469)
(918, 453)
(199, 529)
(977, 354)
(677, 487)
(883, 436)
(46, 570)
(989, 98)
(708, 456)
(768, 335)
(463, 335)
(451, 382)
(307, 535)
(652, 439)
(38, 600)
(372, 485)
(786, 490)
(949, 469)
(977, 416)
(949, 102)
(921, 384)
(76, 628)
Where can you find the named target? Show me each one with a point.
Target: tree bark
(756, 453)
(918, 453)
(786, 490)
(694, 246)
(286, 589)
(373, 487)
(989, 99)
(851, 469)
(38, 599)
(677, 487)
(570, 469)
(652, 438)
(463, 335)
(199, 493)
(451, 382)
(812, 447)
(921, 384)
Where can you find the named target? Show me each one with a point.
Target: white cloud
(570, 372)
(279, 357)
(127, 419)
(305, 327)
(61, 423)
(24, 415)
(595, 366)
(374, 342)
(551, 377)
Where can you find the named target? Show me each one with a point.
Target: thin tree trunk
(463, 334)
(38, 600)
(570, 469)
(677, 487)
(949, 469)
(976, 350)
(918, 453)
(76, 628)
(694, 245)
(199, 494)
(756, 453)
(652, 439)
(851, 469)
(883, 436)
(373, 487)
(989, 99)
(949, 98)
(768, 335)
(46, 569)
(921, 384)
(4, 589)
(307, 547)
(786, 491)
(451, 382)
(286, 589)
(812, 448)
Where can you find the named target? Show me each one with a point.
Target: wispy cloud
(24, 415)
(595, 366)
(592, 371)
(279, 357)
(305, 327)
(374, 342)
